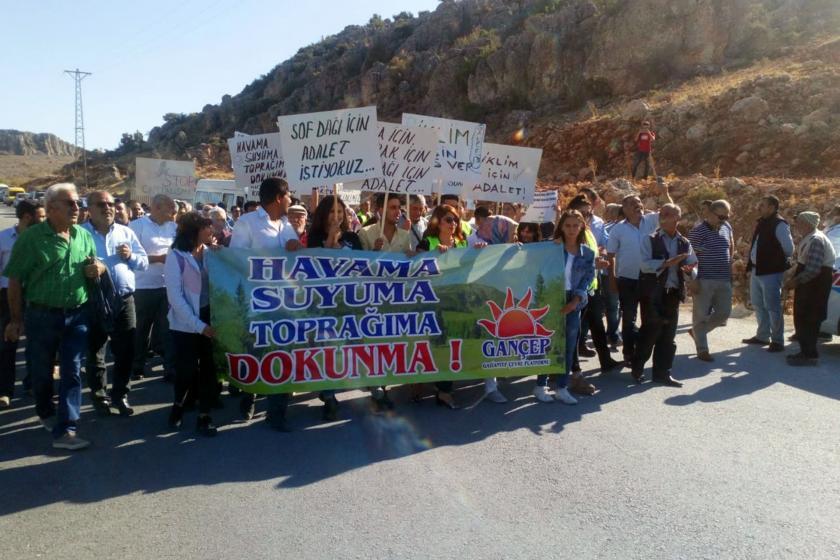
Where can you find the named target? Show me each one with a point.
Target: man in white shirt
(28, 212)
(268, 228)
(156, 231)
(624, 249)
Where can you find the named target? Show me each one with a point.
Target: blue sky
(153, 57)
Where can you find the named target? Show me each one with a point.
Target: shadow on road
(141, 455)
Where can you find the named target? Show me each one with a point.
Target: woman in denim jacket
(579, 262)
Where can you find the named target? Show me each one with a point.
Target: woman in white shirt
(188, 292)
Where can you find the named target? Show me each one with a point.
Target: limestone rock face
(15, 142)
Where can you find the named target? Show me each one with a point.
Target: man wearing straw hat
(812, 285)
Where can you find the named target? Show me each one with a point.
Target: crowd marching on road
(136, 277)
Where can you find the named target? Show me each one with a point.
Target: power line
(78, 76)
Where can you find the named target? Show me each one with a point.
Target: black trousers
(810, 305)
(640, 158)
(628, 298)
(593, 317)
(660, 316)
(122, 348)
(194, 370)
(8, 350)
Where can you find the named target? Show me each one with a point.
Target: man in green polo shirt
(49, 269)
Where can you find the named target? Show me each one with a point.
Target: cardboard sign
(509, 174)
(349, 193)
(543, 209)
(330, 147)
(255, 159)
(459, 156)
(164, 176)
(408, 157)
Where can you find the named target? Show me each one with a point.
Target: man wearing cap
(812, 285)
(297, 215)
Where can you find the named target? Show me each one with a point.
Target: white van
(218, 190)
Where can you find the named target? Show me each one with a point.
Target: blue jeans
(766, 298)
(48, 332)
(572, 332)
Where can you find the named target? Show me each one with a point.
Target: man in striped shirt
(712, 292)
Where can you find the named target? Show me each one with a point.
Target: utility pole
(78, 76)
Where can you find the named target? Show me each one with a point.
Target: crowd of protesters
(76, 276)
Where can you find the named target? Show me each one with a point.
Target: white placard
(408, 157)
(255, 159)
(543, 209)
(509, 174)
(330, 147)
(351, 195)
(164, 176)
(461, 145)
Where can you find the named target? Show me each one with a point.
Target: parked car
(20, 196)
(11, 195)
(832, 324)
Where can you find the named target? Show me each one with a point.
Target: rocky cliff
(507, 63)
(17, 143)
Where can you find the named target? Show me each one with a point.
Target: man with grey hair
(50, 267)
(713, 243)
(119, 249)
(812, 284)
(156, 232)
(221, 230)
(624, 251)
(666, 257)
(416, 223)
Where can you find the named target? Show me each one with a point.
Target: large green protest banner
(332, 319)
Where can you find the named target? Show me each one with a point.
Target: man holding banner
(385, 235)
(267, 228)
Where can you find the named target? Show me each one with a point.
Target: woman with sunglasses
(579, 261)
(444, 233)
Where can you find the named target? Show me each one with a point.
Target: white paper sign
(330, 147)
(164, 176)
(408, 157)
(350, 195)
(459, 157)
(509, 174)
(255, 159)
(543, 209)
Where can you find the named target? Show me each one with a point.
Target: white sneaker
(496, 397)
(564, 396)
(5, 401)
(69, 440)
(542, 394)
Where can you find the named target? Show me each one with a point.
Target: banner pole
(382, 212)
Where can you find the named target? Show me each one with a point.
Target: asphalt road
(742, 462)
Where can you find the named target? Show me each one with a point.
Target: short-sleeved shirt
(256, 230)
(7, 241)
(625, 242)
(156, 239)
(50, 268)
(712, 247)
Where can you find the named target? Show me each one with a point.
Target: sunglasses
(450, 220)
(72, 203)
(722, 218)
(105, 204)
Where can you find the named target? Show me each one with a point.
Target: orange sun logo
(515, 319)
